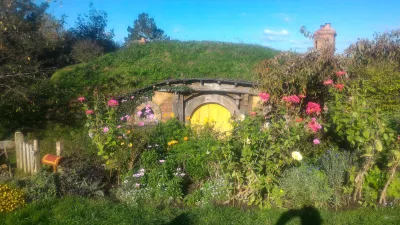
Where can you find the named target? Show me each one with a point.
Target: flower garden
(325, 137)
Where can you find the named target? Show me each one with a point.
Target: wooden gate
(28, 154)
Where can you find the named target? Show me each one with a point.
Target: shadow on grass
(182, 219)
(308, 216)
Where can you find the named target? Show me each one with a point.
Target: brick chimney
(325, 37)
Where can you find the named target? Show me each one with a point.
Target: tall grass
(76, 210)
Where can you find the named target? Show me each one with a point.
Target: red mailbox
(52, 160)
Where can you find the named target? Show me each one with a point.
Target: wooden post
(19, 140)
(28, 158)
(23, 158)
(36, 156)
(59, 148)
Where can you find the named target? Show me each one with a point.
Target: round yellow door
(214, 114)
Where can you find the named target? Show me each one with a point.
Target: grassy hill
(143, 65)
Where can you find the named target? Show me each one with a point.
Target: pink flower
(292, 99)
(253, 113)
(105, 129)
(264, 96)
(137, 185)
(112, 103)
(122, 118)
(127, 117)
(89, 111)
(161, 161)
(151, 116)
(314, 125)
(316, 141)
(139, 113)
(313, 107)
(81, 99)
(124, 100)
(340, 73)
(148, 106)
(339, 86)
(141, 124)
(328, 82)
(132, 97)
(119, 126)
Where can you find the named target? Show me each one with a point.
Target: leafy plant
(305, 185)
(10, 198)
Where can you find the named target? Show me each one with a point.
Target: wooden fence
(27, 153)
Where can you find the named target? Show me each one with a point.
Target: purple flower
(316, 142)
(105, 129)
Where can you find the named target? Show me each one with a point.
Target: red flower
(253, 113)
(340, 73)
(81, 99)
(302, 96)
(314, 125)
(328, 82)
(264, 96)
(313, 107)
(339, 86)
(113, 103)
(89, 111)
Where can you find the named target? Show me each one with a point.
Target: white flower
(297, 156)
(248, 141)
(266, 125)
(242, 117)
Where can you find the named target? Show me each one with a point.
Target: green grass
(75, 210)
(142, 65)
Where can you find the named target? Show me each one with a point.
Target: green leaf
(378, 145)
(365, 133)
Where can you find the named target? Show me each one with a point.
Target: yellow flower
(297, 156)
(188, 118)
(172, 115)
(185, 138)
(130, 144)
(128, 132)
(122, 143)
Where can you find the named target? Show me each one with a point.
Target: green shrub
(41, 186)
(211, 191)
(157, 181)
(83, 177)
(335, 164)
(305, 185)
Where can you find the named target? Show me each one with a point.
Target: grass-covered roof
(142, 65)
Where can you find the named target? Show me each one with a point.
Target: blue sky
(272, 23)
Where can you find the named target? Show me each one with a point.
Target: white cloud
(176, 30)
(276, 33)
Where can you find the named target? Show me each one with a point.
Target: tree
(32, 47)
(145, 27)
(93, 27)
